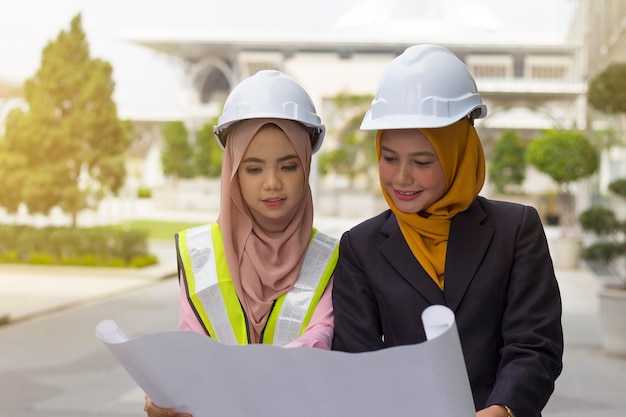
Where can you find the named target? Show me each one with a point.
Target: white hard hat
(426, 86)
(270, 94)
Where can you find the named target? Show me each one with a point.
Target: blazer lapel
(467, 245)
(399, 255)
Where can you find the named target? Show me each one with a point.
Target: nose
(403, 175)
(272, 180)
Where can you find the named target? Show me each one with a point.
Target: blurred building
(529, 81)
(599, 26)
(603, 35)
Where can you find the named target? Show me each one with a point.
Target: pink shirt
(318, 334)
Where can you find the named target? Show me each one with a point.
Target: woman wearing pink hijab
(262, 273)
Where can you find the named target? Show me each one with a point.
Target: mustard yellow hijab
(461, 155)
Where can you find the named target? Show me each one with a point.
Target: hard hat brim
(417, 121)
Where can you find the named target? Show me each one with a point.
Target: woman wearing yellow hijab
(441, 243)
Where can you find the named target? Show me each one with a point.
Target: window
(490, 66)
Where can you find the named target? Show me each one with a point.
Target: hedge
(98, 246)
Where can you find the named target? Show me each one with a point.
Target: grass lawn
(160, 229)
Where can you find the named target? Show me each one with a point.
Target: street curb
(124, 280)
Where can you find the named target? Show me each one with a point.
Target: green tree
(177, 156)
(356, 154)
(207, 152)
(607, 91)
(507, 166)
(12, 170)
(67, 149)
(607, 94)
(566, 156)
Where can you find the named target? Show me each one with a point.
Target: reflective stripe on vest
(213, 296)
(295, 312)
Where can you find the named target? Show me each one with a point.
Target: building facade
(529, 83)
(599, 26)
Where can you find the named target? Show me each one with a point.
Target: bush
(603, 252)
(618, 187)
(610, 233)
(507, 168)
(141, 261)
(39, 258)
(566, 156)
(118, 263)
(99, 246)
(133, 243)
(10, 257)
(144, 192)
(599, 220)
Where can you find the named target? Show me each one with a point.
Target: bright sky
(146, 79)
(143, 78)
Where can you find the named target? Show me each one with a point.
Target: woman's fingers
(154, 411)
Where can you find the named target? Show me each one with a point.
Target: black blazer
(499, 281)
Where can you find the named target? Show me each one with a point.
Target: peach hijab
(462, 159)
(263, 255)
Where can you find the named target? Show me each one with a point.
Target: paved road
(54, 366)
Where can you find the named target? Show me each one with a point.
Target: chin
(405, 207)
(272, 215)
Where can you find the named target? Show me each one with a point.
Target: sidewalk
(28, 291)
(592, 382)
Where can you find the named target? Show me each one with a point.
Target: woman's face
(271, 176)
(410, 170)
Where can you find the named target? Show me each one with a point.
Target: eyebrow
(420, 153)
(253, 159)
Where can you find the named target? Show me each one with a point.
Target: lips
(273, 200)
(406, 195)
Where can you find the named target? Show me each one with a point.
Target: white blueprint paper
(193, 373)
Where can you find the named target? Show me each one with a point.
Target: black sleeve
(531, 357)
(357, 322)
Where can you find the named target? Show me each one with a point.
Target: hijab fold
(462, 159)
(263, 255)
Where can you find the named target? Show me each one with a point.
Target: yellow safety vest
(213, 297)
